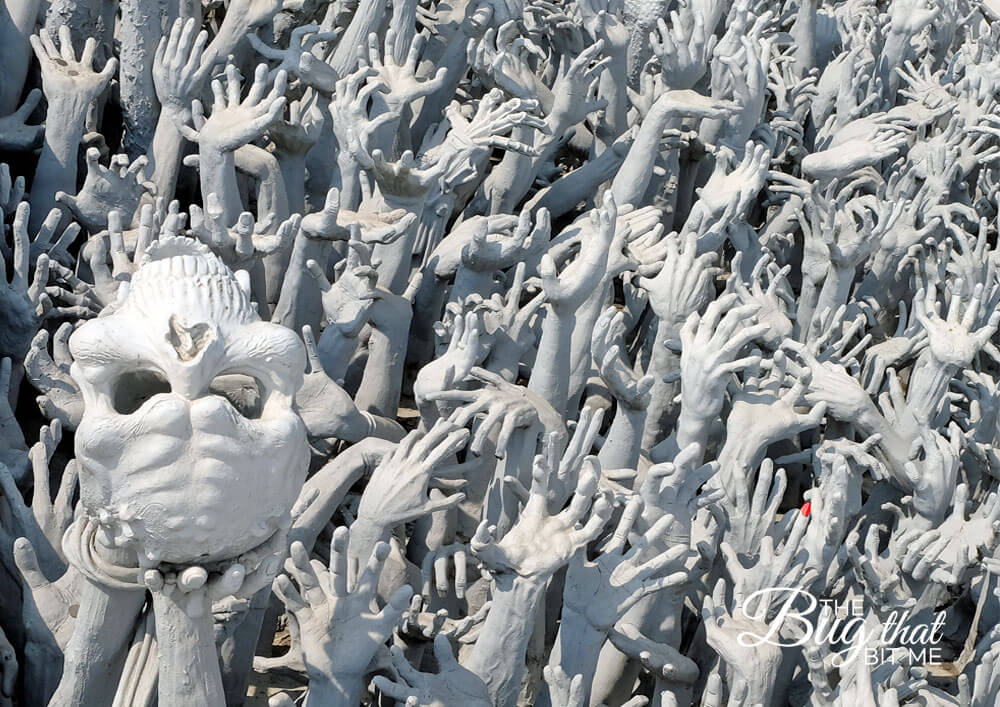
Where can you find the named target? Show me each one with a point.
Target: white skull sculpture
(189, 448)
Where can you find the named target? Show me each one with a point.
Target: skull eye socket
(134, 388)
(245, 393)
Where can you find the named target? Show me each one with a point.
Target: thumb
(442, 650)
(27, 564)
(67, 200)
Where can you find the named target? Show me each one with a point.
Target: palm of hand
(512, 74)
(815, 258)
(230, 128)
(461, 360)
(320, 400)
(493, 253)
(60, 397)
(721, 189)
(404, 179)
(724, 637)
(70, 77)
(16, 135)
(681, 294)
(951, 343)
(49, 616)
(770, 417)
(338, 637)
(976, 534)
(851, 248)
(515, 402)
(911, 16)
(600, 590)
(294, 138)
(453, 686)
(20, 318)
(106, 192)
(347, 303)
(537, 546)
(684, 69)
(893, 350)
(403, 87)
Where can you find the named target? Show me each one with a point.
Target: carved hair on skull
(189, 448)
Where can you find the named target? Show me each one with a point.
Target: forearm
(469, 281)
(301, 301)
(57, 164)
(894, 53)
(403, 24)
(804, 34)
(550, 377)
(612, 663)
(366, 20)
(636, 171)
(498, 656)
(580, 359)
(139, 28)
(623, 445)
(928, 386)
(383, 377)
(760, 685)
(579, 185)
(456, 63)
(397, 257)
(611, 87)
(367, 531)
(331, 484)
(334, 691)
(185, 639)
(503, 506)
(323, 172)
(836, 289)
(234, 28)
(427, 308)
(384, 428)
(577, 647)
(164, 156)
(336, 351)
(217, 173)
(272, 195)
(510, 180)
(739, 457)
(662, 409)
(350, 182)
(15, 52)
(806, 307)
(293, 172)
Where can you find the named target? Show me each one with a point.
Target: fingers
(289, 596)
(318, 275)
(385, 621)
(338, 561)
(312, 355)
(368, 581)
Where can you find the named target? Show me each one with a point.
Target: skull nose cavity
(189, 340)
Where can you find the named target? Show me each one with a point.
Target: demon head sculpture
(189, 448)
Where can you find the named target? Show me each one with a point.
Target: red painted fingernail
(806, 509)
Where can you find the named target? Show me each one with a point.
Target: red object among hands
(806, 509)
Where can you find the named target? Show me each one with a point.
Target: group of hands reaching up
(596, 296)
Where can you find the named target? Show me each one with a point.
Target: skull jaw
(185, 494)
